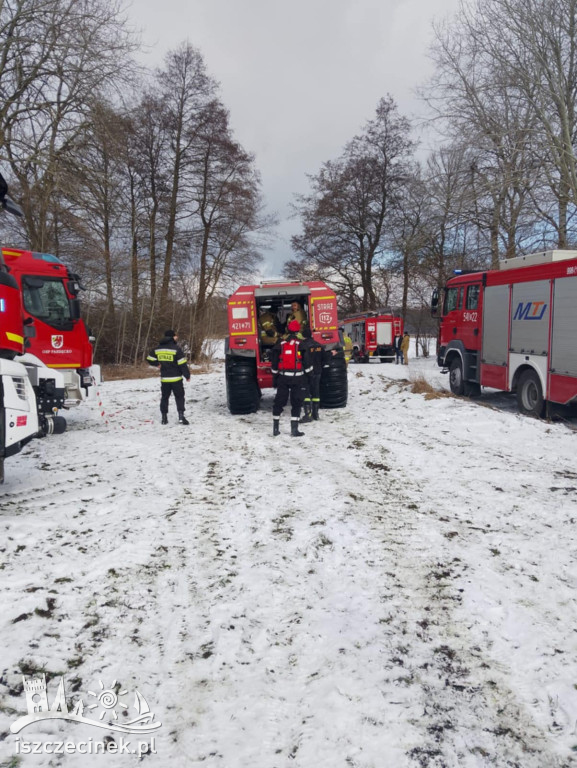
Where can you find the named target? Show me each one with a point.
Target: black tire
(530, 394)
(242, 390)
(456, 381)
(334, 384)
(1, 470)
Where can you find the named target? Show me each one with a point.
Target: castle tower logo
(105, 703)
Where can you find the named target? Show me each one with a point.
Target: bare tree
(507, 81)
(56, 57)
(186, 90)
(227, 197)
(344, 217)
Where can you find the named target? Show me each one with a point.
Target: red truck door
(462, 315)
(471, 316)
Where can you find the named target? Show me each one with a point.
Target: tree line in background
(134, 177)
(385, 228)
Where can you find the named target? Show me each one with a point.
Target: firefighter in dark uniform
(290, 367)
(317, 357)
(173, 367)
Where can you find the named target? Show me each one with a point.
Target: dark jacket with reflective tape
(170, 357)
(318, 355)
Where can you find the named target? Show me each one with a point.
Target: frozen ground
(396, 589)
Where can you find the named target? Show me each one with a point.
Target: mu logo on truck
(532, 310)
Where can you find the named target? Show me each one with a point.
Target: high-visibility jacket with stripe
(171, 359)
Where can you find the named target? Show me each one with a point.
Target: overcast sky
(300, 77)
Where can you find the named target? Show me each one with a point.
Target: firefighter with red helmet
(290, 366)
(170, 358)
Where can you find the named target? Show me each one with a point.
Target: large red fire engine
(248, 366)
(58, 338)
(373, 335)
(513, 329)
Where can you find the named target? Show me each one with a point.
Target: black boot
(295, 428)
(182, 419)
(316, 411)
(164, 419)
(307, 418)
(275, 426)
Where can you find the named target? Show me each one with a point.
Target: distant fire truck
(513, 329)
(248, 364)
(373, 335)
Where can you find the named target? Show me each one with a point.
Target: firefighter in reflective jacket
(267, 324)
(290, 367)
(172, 362)
(348, 346)
(298, 314)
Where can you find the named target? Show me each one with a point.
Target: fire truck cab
(57, 336)
(248, 345)
(513, 329)
(373, 335)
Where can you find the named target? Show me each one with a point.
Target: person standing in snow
(348, 342)
(173, 367)
(290, 367)
(318, 358)
(405, 348)
(398, 353)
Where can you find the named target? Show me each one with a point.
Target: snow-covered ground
(396, 588)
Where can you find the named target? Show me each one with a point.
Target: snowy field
(395, 589)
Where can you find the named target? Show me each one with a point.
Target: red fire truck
(373, 335)
(248, 367)
(513, 329)
(58, 336)
(18, 412)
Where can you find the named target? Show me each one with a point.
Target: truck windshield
(46, 299)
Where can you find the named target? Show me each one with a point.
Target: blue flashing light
(457, 271)
(47, 257)
(2, 305)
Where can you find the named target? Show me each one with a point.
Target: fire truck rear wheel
(242, 391)
(334, 384)
(530, 394)
(456, 381)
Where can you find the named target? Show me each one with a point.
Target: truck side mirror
(434, 303)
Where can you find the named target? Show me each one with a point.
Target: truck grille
(20, 387)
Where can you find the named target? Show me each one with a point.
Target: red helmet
(294, 326)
